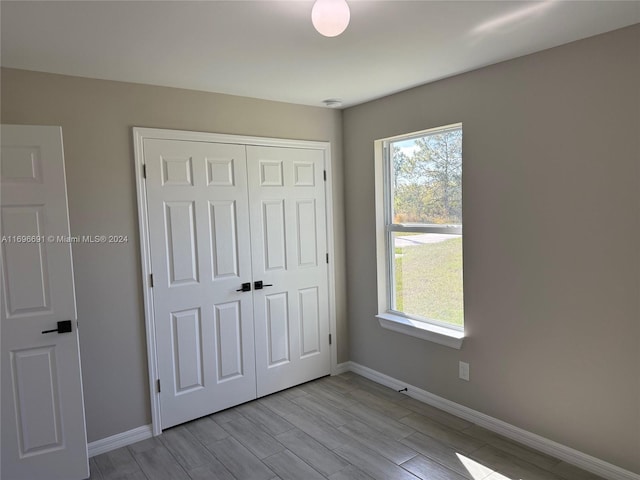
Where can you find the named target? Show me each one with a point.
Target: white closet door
(288, 244)
(200, 256)
(43, 428)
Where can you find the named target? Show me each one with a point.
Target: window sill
(448, 337)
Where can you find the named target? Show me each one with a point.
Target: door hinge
(144, 170)
(329, 339)
(325, 175)
(158, 383)
(151, 280)
(327, 258)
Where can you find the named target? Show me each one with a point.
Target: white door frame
(139, 135)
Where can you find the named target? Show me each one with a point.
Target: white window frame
(428, 329)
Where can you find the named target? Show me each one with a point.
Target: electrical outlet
(463, 371)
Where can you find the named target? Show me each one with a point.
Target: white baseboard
(119, 440)
(544, 445)
(341, 368)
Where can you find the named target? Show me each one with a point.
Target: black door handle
(63, 327)
(259, 285)
(246, 287)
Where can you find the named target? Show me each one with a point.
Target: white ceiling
(269, 49)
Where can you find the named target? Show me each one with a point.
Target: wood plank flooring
(339, 428)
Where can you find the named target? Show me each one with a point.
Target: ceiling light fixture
(330, 17)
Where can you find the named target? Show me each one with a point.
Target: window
(419, 208)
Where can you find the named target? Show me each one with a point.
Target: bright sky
(408, 147)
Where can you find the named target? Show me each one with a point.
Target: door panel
(181, 243)
(306, 233)
(36, 390)
(229, 341)
(187, 352)
(220, 172)
(309, 321)
(277, 316)
(199, 238)
(287, 198)
(271, 174)
(26, 278)
(275, 248)
(21, 164)
(43, 428)
(177, 171)
(224, 239)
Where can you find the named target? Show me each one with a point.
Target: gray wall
(96, 118)
(551, 247)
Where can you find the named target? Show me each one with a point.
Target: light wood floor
(341, 428)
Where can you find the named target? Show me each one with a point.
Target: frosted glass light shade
(330, 17)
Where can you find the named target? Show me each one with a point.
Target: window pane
(426, 178)
(428, 276)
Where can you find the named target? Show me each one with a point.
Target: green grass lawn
(429, 280)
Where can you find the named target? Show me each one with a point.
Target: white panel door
(288, 226)
(200, 256)
(43, 424)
